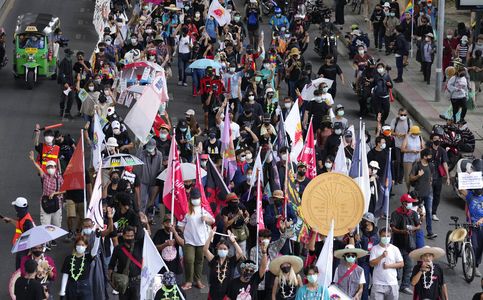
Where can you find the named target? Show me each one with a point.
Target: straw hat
(172, 7)
(350, 249)
(294, 51)
(435, 251)
(450, 71)
(295, 261)
(277, 194)
(458, 235)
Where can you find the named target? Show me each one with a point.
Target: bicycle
(458, 244)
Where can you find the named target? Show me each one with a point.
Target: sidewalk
(417, 96)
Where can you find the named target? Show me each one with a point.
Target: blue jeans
(183, 62)
(477, 241)
(292, 84)
(78, 290)
(419, 239)
(400, 67)
(197, 75)
(406, 270)
(428, 205)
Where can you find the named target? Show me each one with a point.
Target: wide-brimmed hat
(415, 130)
(277, 194)
(112, 142)
(172, 7)
(435, 251)
(369, 217)
(295, 261)
(294, 51)
(458, 235)
(350, 249)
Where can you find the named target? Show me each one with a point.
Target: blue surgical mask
(385, 240)
(312, 278)
(350, 259)
(409, 205)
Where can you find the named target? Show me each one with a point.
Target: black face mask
(115, 180)
(278, 203)
(232, 205)
(437, 143)
(301, 173)
(285, 269)
(21, 211)
(187, 186)
(129, 241)
(37, 253)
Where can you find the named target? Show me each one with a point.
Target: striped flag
(409, 7)
(382, 204)
(301, 230)
(228, 149)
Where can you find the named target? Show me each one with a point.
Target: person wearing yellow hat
(294, 70)
(411, 147)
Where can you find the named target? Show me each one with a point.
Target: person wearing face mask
(331, 70)
(168, 245)
(390, 23)
(379, 153)
(400, 128)
(122, 137)
(316, 110)
(401, 52)
(82, 69)
(312, 290)
(377, 20)
(76, 283)
(252, 110)
(381, 86)
(333, 141)
(427, 276)
(386, 259)
(268, 133)
(152, 167)
(440, 170)
(28, 287)
(194, 227)
(450, 42)
(50, 211)
(48, 272)
(458, 91)
(475, 70)
(127, 258)
(339, 116)
(47, 151)
(348, 276)
(185, 43)
(235, 218)
(212, 146)
(287, 281)
(294, 65)
(349, 147)
(90, 101)
(301, 181)
(67, 81)
(374, 185)
(221, 265)
(245, 286)
(110, 190)
(327, 165)
(428, 49)
(421, 177)
(163, 140)
(411, 147)
(23, 223)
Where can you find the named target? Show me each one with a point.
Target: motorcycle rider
(330, 70)
(278, 20)
(364, 86)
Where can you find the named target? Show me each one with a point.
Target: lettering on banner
(471, 180)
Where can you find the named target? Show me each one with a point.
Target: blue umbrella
(203, 63)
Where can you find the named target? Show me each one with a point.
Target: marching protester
(28, 287)
(427, 276)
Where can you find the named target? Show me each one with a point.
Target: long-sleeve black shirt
(119, 259)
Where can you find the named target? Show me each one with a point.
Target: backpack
(397, 120)
(252, 19)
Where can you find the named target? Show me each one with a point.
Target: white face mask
(338, 131)
(284, 156)
(383, 146)
(49, 139)
(242, 158)
(163, 136)
(51, 171)
(116, 131)
(87, 231)
(266, 66)
(249, 156)
(327, 20)
(232, 70)
(318, 99)
(380, 70)
(108, 42)
(80, 249)
(222, 253)
(91, 88)
(196, 202)
(288, 105)
(149, 31)
(203, 163)
(328, 165)
(340, 113)
(251, 98)
(385, 240)
(449, 36)
(249, 177)
(265, 242)
(361, 52)
(402, 118)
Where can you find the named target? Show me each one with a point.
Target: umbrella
(187, 169)
(308, 91)
(37, 235)
(120, 160)
(203, 63)
(143, 64)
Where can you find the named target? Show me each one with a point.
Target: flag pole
(359, 164)
(285, 187)
(412, 31)
(251, 185)
(172, 187)
(258, 215)
(84, 173)
(387, 185)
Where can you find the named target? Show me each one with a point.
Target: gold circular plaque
(332, 196)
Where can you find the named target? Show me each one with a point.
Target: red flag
(204, 201)
(308, 153)
(260, 222)
(174, 184)
(74, 178)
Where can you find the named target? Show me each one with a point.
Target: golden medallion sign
(332, 196)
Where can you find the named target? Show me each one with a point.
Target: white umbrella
(120, 160)
(187, 169)
(308, 90)
(36, 236)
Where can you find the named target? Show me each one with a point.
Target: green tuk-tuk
(35, 52)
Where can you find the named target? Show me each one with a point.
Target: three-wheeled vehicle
(35, 52)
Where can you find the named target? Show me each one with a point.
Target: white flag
(152, 263)
(326, 258)
(340, 163)
(293, 127)
(97, 140)
(257, 167)
(217, 11)
(141, 116)
(94, 212)
(364, 182)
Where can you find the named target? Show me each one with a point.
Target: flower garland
(426, 284)
(291, 292)
(219, 272)
(171, 293)
(72, 267)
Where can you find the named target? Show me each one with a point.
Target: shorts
(74, 209)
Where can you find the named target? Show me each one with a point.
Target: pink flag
(204, 201)
(260, 223)
(227, 149)
(174, 184)
(308, 153)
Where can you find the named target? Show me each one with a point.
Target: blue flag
(382, 204)
(356, 165)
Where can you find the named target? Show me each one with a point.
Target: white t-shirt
(235, 129)
(195, 232)
(184, 44)
(380, 275)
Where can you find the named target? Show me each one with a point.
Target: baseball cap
(51, 163)
(20, 202)
(151, 145)
(407, 198)
(116, 125)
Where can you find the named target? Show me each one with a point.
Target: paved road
(20, 109)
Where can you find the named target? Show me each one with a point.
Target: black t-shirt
(174, 266)
(119, 259)
(434, 291)
(301, 185)
(477, 296)
(84, 74)
(219, 289)
(230, 213)
(130, 218)
(400, 221)
(66, 266)
(238, 288)
(28, 289)
(296, 72)
(330, 71)
(379, 156)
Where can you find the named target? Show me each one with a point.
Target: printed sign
(467, 181)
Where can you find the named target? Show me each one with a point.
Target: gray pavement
(20, 109)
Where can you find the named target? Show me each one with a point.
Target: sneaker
(114, 292)
(477, 272)
(431, 236)
(406, 290)
(398, 80)
(68, 116)
(435, 218)
(185, 84)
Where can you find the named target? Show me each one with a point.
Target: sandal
(186, 286)
(200, 285)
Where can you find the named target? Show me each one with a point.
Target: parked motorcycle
(453, 144)
(467, 164)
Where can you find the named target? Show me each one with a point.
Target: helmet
(278, 10)
(477, 165)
